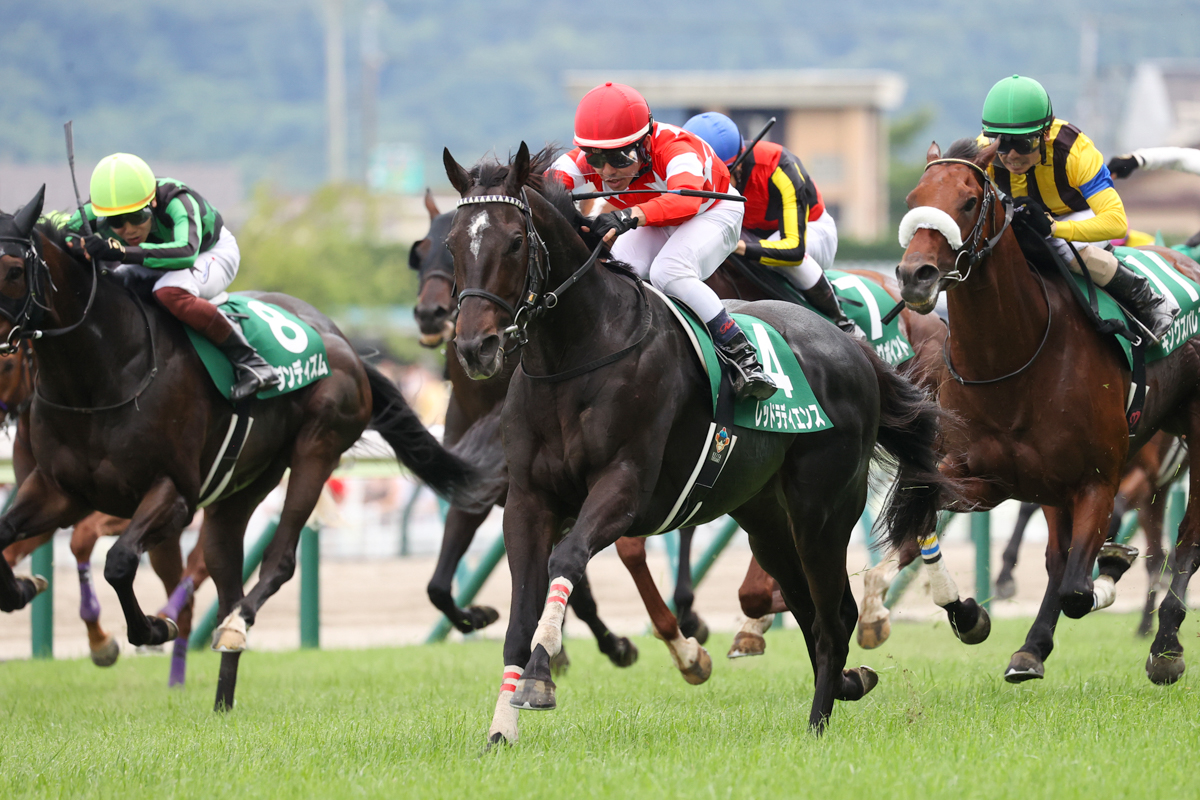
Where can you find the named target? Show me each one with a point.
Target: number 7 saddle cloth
(288, 344)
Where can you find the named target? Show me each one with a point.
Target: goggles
(1024, 143)
(132, 218)
(618, 159)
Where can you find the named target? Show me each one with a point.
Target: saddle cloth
(866, 302)
(288, 344)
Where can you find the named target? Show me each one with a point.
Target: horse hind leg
(1166, 664)
(620, 650)
(1006, 584)
(102, 645)
(756, 598)
(691, 623)
(167, 561)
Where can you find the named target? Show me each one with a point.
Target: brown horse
(1041, 398)
(126, 420)
(16, 393)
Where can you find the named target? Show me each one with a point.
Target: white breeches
(820, 248)
(211, 274)
(677, 259)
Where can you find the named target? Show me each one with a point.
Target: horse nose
(430, 317)
(926, 273)
(480, 358)
(918, 283)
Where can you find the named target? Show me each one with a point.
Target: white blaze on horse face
(475, 231)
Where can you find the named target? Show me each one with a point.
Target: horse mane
(55, 232)
(965, 148)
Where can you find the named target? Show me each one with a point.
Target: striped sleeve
(181, 251)
(788, 250)
(1109, 223)
(684, 170)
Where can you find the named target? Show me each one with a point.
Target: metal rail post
(470, 587)
(42, 608)
(202, 631)
(310, 588)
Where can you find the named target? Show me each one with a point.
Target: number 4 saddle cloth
(792, 409)
(288, 344)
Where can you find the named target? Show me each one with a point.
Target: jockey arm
(1087, 173)
(181, 251)
(1184, 159)
(788, 251)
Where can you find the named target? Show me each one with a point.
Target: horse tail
(416, 448)
(909, 426)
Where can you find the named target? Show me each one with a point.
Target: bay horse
(473, 411)
(126, 420)
(16, 395)
(1041, 397)
(605, 449)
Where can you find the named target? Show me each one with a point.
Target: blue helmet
(720, 132)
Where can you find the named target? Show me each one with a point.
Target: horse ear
(933, 153)
(984, 159)
(518, 171)
(431, 206)
(458, 176)
(27, 217)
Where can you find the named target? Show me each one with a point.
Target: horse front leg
(458, 533)
(530, 526)
(102, 645)
(1006, 584)
(1091, 512)
(605, 517)
(1028, 663)
(162, 513)
(40, 506)
(756, 597)
(690, 622)
(167, 561)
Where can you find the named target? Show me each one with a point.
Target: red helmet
(611, 116)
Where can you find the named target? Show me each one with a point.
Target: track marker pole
(981, 535)
(42, 607)
(701, 566)
(310, 588)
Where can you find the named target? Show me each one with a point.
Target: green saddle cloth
(866, 302)
(1164, 280)
(288, 344)
(792, 409)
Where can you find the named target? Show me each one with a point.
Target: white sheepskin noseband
(933, 218)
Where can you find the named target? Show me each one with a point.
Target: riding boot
(1134, 292)
(822, 297)
(252, 371)
(749, 380)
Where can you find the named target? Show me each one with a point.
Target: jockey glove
(1033, 214)
(101, 249)
(619, 221)
(1122, 166)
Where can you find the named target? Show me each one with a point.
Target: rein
(534, 303)
(25, 315)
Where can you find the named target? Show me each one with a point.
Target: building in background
(1163, 109)
(832, 119)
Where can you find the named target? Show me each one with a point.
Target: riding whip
(68, 128)
(891, 315)
(737, 198)
(746, 150)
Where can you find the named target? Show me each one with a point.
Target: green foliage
(324, 252)
(409, 722)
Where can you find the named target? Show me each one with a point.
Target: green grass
(409, 722)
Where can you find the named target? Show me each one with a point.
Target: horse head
(436, 304)
(17, 258)
(489, 242)
(944, 222)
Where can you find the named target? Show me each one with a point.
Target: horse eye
(14, 273)
(516, 245)
(969, 205)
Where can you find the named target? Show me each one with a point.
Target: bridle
(37, 274)
(976, 248)
(534, 303)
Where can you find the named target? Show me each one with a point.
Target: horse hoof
(1024, 667)
(1165, 669)
(747, 644)
(494, 741)
(40, 584)
(1006, 588)
(481, 616)
(865, 677)
(621, 651)
(700, 671)
(560, 662)
(982, 628)
(107, 653)
(533, 694)
(872, 634)
(1114, 559)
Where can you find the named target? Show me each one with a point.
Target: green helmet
(121, 183)
(1017, 105)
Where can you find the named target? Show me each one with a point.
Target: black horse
(125, 420)
(612, 445)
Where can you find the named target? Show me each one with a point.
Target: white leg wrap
(944, 590)
(875, 583)
(684, 652)
(1104, 591)
(759, 625)
(232, 633)
(504, 718)
(549, 629)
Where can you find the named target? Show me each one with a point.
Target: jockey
(1183, 159)
(170, 233)
(674, 241)
(1064, 191)
(786, 225)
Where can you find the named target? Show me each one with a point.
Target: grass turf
(409, 722)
